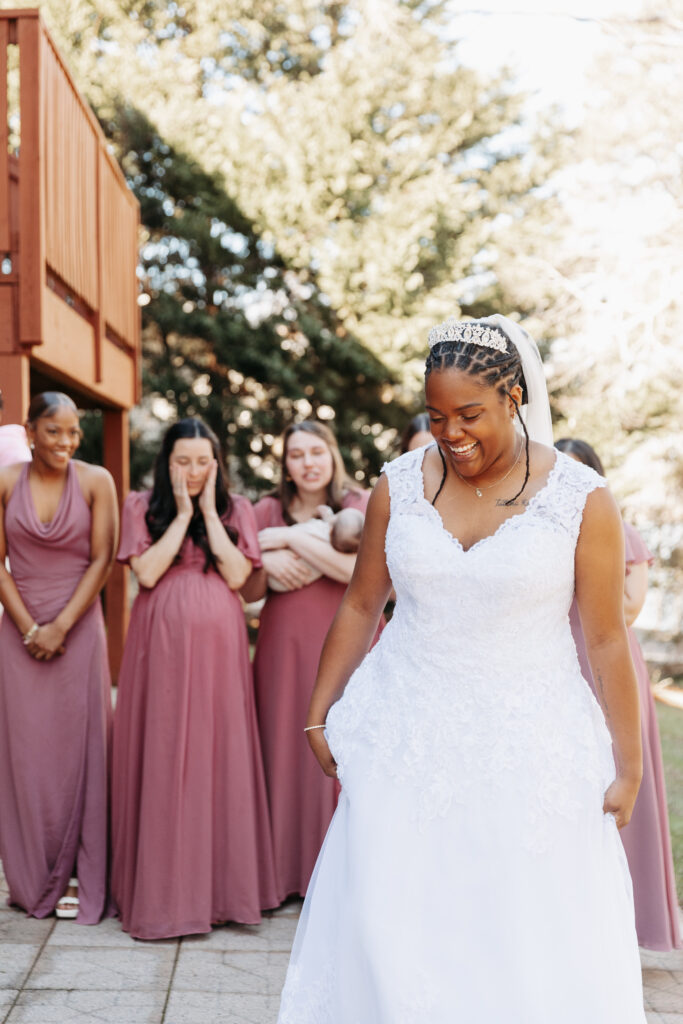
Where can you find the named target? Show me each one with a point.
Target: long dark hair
(583, 451)
(162, 507)
(502, 370)
(340, 484)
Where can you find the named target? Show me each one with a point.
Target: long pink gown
(291, 634)
(191, 837)
(54, 717)
(646, 838)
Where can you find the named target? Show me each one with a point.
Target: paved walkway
(56, 972)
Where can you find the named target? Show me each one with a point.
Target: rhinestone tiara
(470, 332)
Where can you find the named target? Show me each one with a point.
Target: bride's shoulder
(404, 475)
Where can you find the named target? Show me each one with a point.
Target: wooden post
(31, 190)
(14, 383)
(99, 319)
(117, 461)
(5, 241)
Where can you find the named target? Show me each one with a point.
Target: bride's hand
(318, 743)
(620, 798)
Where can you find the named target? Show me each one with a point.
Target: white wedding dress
(469, 875)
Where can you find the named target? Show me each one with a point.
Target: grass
(671, 731)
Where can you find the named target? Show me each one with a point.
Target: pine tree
(232, 334)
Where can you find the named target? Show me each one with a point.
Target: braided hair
(502, 370)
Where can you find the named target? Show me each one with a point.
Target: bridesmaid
(291, 634)
(191, 838)
(646, 838)
(58, 524)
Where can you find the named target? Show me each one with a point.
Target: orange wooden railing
(76, 221)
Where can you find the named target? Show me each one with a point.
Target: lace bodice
(477, 673)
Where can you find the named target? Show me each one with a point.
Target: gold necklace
(479, 490)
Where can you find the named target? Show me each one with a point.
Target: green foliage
(230, 333)
(670, 721)
(320, 182)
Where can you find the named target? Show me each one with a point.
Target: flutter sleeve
(243, 518)
(135, 536)
(635, 548)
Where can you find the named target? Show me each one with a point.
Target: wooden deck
(69, 229)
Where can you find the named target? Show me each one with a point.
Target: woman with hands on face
(191, 838)
(291, 634)
(58, 525)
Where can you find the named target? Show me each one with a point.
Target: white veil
(536, 412)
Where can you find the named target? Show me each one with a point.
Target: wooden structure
(69, 317)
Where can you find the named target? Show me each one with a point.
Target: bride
(473, 872)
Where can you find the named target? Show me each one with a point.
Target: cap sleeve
(356, 499)
(135, 536)
(635, 548)
(268, 512)
(243, 518)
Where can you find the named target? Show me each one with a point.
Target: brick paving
(56, 972)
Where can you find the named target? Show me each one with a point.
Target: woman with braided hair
(473, 872)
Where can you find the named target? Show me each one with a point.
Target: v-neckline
(489, 536)
(44, 527)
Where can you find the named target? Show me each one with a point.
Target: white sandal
(67, 906)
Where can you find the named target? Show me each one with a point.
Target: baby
(342, 529)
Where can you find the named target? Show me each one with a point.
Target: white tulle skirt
(460, 918)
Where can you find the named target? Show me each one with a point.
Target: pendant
(478, 492)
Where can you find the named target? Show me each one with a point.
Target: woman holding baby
(307, 564)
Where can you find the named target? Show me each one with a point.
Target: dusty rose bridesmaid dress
(646, 838)
(292, 630)
(54, 717)
(191, 837)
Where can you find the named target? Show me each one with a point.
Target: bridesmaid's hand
(288, 569)
(47, 641)
(318, 743)
(207, 498)
(183, 501)
(620, 799)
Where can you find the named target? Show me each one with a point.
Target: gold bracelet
(310, 727)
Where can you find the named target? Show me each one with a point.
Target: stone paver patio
(56, 972)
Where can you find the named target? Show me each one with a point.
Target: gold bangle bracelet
(309, 728)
